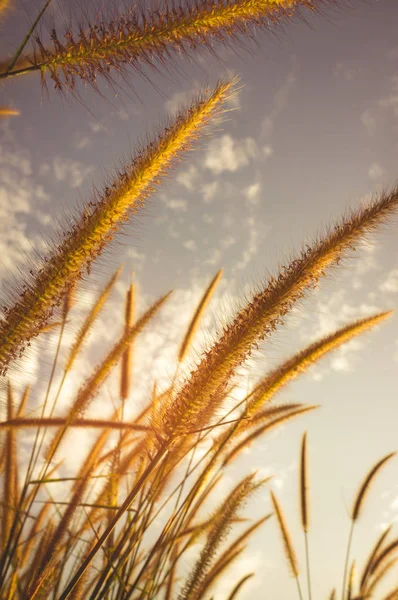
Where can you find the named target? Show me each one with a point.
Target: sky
(313, 132)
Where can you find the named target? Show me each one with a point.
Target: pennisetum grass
(199, 396)
(216, 535)
(100, 220)
(142, 500)
(287, 543)
(372, 556)
(6, 111)
(304, 508)
(381, 560)
(357, 508)
(139, 37)
(239, 585)
(193, 325)
(125, 376)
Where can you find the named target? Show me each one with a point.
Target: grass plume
(6, 111)
(89, 321)
(125, 379)
(357, 508)
(372, 556)
(300, 362)
(194, 323)
(304, 510)
(199, 395)
(239, 585)
(140, 37)
(287, 543)
(216, 535)
(98, 223)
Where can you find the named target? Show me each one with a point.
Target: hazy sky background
(314, 131)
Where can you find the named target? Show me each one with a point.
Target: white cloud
(187, 178)
(17, 193)
(215, 257)
(82, 142)
(176, 204)
(280, 101)
(252, 192)
(228, 241)
(390, 101)
(375, 172)
(71, 171)
(138, 257)
(228, 221)
(97, 127)
(210, 190)
(190, 245)
(386, 104)
(252, 247)
(177, 100)
(390, 284)
(341, 363)
(342, 70)
(267, 151)
(368, 120)
(227, 154)
(208, 218)
(327, 317)
(367, 263)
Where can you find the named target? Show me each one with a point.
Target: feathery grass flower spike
(141, 37)
(193, 325)
(5, 111)
(279, 377)
(287, 543)
(304, 506)
(4, 5)
(125, 378)
(372, 556)
(199, 395)
(356, 510)
(100, 220)
(216, 535)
